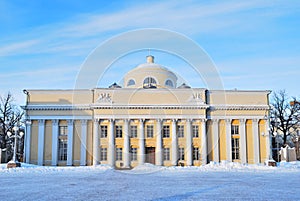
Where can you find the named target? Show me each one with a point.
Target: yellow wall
(48, 143)
(223, 142)
(249, 134)
(34, 142)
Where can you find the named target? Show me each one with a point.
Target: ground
(225, 181)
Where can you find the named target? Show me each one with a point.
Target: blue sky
(254, 45)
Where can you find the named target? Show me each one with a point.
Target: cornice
(239, 107)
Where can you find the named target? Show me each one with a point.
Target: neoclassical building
(148, 120)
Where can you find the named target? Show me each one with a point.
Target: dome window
(131, 82)
(169, 83)
(149, 82)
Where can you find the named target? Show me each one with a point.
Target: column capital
(215, 120)
(174, 120)
(141, 120)
(126, 120)
(228, 121)
(83, 121)
(55, 122)
(41, 121)
(70, 121)
(242, 120)
(95, 120)
(111, 120)
(189, 120)
(203, 120)
(159, 120)
(255, 120)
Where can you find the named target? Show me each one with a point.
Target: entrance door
(150, 155)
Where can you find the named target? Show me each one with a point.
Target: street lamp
(14, 162)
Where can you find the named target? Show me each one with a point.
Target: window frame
(103, 132)
(119, 154)
(196, 154)
(150, 131)
(180, 131)
(133, 132)
(195, 130)
(119, 131)
(181, 154)
(166, 154)
(103, 154)
(166, 131)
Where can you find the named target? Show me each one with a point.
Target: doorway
(150, 155)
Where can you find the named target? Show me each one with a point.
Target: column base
(13, 164)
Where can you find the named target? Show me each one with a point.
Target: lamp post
(14, 162)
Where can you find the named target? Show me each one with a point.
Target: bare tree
(10, 115)
(285, 114)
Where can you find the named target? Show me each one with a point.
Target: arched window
(131, 82)
(149, 82)
(169, 83)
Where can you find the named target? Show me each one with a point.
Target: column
(54, 142)
(159, 145)
(215, 145)
(27, 141)
(70, 142)
(111, 143)
(41, 136)
(228, 140)
(83, 142)
(268, 141)
(243, 146)
(174, 143)
(142, 143)
(96, 142)
(189, 142)
(126, 144)
(203, 142)
(255, 141)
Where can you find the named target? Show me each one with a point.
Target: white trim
(126, 151)
(235, 117)
(239, 107)
(159, 144)
(256, 141)
(96, 142)
(189, 142)
(27, 144)
(174, 143)
(55, 130)
(203, 142)
(70, 142)
(141, 142)
(41, 139)
(62, 117)
(215, 140)
(228, 140)
(150, 116)
(83, 142)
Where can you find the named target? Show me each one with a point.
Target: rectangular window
(195, 131)
(196, 154)
(180, 130)
(119, 154)
(103, 131)
(235, 148)
(63, 130)
(62, 149)
(118, 131)
(150, 131)
(234, 129)
(166, 154)
(133, 154)
(133, 131)
(166, 131)
(103, 154)
(181, 153)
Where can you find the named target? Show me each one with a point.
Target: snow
(214, 181)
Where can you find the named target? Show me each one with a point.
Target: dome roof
(151, 74)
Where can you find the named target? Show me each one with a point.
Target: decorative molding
(228, 121)
(104, 98)
(193, 107)
(242, 120)
(59, 107)
(239, 107)
(37, 117)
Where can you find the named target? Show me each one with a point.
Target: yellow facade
(153, 121)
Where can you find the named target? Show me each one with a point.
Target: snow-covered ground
(224, 181)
